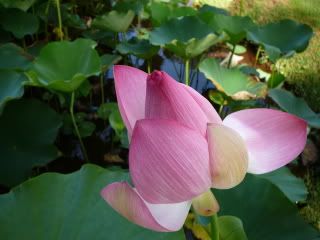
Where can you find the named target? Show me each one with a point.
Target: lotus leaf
(140, 48)
(13, 57)
(24, 5)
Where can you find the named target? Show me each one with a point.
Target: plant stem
(59, 19)
(84, 152)
(257, 55)
(187, 72)
(102, 87)
(214, 227)
(149, 65)
(220, 110)
(232, 53)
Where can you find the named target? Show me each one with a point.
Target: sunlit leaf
(28, 129)
(266, 213)
(63, 66)
(232, 82)
(68, 207)
(297, 106)
(231, 228)
(114, 21)
(282, 38)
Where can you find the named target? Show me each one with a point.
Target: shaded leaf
(109, 59)
(24, 5)
(140, 48)
(63, 66)
(232, 82)
(294, 105)
(13, 57)
(69, 207)
(106, 109)
(28, 129)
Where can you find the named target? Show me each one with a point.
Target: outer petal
(159, 217)
(228, 156)
(168, 162)
(130, 86)
(273, 138)
(168, 99)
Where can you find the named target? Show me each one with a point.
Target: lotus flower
(180, 148)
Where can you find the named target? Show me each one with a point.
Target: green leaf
(282, 38)
(294, 105)
(23, 5)
(292, 186)
(86, 128)
(28, 129)
(11, 86)
(231, 228)
(114, 21)
(13, 57)
(232, 82)
(275, 80)
(239, 49)
(63, 66)
(68, 207)
(109, 59)
(116, 122)
(266, 213)
(106, 109)
(140, 48)
(19, 23)
(186, 44)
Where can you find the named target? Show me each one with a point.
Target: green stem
(232, 53)
(59, 19)
(220, 109)
(102, 87)
(149, 65)
(83, 149)
(187, 72)
(257, 55)
(214, 227)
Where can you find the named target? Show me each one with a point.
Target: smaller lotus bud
(205, 204)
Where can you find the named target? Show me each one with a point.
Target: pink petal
(159, 217)
(205, 105)
(168, 162)
(273, 138)
(228, 156)
(130, 86)
(168, 99)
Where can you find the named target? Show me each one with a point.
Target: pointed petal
(168, 161)
(205, 105)
(273, 138)
(228, 156)
(168, 99)
(159, 217)
(130, 84)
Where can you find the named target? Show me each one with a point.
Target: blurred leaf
(13, 57)
(28, 129)
(64, 66)
(140, 48)
(23, 5)
(116, 122)
(114, 21)
(185, 44)
(109, 59)
(19, 23)
(211, 9)
(232, 81)
(292, 186)
(238, 50)
(68, 207)
(11, 86)
(266, 213)
(294, 105)
(86, 128)
(282, 38)
(106, 109)
(231, 228)
(217, 97)
(275, 80)
(84, 89)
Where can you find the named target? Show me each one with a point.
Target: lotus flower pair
(180, 148)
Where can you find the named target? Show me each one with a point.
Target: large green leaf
(114, 21)
(11, 86)
(232, 82)
(56, 207)
(19, 23)
(21, 4)
(186, 44)
(231, 228)
(297, 106)
(28, 129)
(13, 57)
(293, 187)
(282, 38)
(266, 213)
(140, 48)
(63, 66)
